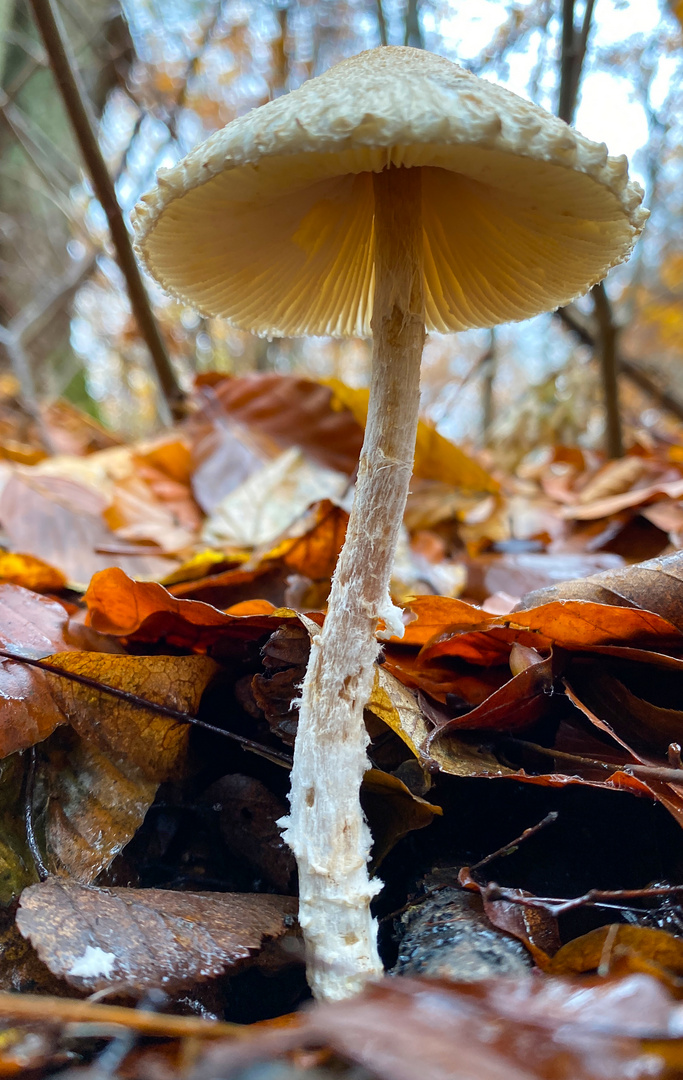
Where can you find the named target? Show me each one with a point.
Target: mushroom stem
(326, 828)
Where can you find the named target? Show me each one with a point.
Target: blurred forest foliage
(163, 74)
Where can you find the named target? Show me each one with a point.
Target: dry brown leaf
(96, 786)
(315, 550)
(294, 411)
(613, 504)
(504, 1029)
(599, 947)
(614, 478)
(652, 586)
(59, 520)
(145, 938)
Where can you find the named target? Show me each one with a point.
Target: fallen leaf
(597, 948)
(269, 501)
(614, 478)
(145, 938)
(30, 572)
(294, 411)
(59, 520)
(151, 741)
(639, 723)
(392, 811)
(88, 805)
(397, 707)
(519, 703)
(32, 626)
(314, 552)
(146, 611)
(652, 586)
(504, 1029)
(613, 504)
(436, 458)
(96, 782)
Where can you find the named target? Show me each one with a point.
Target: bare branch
(381, 23)
(74, 99)
(634, 370)
(609, 368)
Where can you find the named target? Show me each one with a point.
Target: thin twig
(604, 343)
(67, 79)
(381, 23)
(45, 1009)
(632, 369)
(609, 369)
(164, 710)
(593, 898)
(644, 772)
(512, 846)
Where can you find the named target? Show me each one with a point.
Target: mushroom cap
(269, 223)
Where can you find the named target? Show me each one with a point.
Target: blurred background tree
(161, 76)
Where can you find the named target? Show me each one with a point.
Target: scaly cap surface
(269, 223)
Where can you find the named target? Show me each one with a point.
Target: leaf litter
(165, 866)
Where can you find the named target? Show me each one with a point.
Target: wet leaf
(505, 1029)
(601, 947)
(146, 938)
(90, 805)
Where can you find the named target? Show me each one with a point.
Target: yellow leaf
(436, 458)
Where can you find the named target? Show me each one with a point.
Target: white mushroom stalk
(325, 829)
(395, 192)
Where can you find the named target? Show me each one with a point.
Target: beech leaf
(146, 938)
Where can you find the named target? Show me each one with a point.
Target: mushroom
(394, 193)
